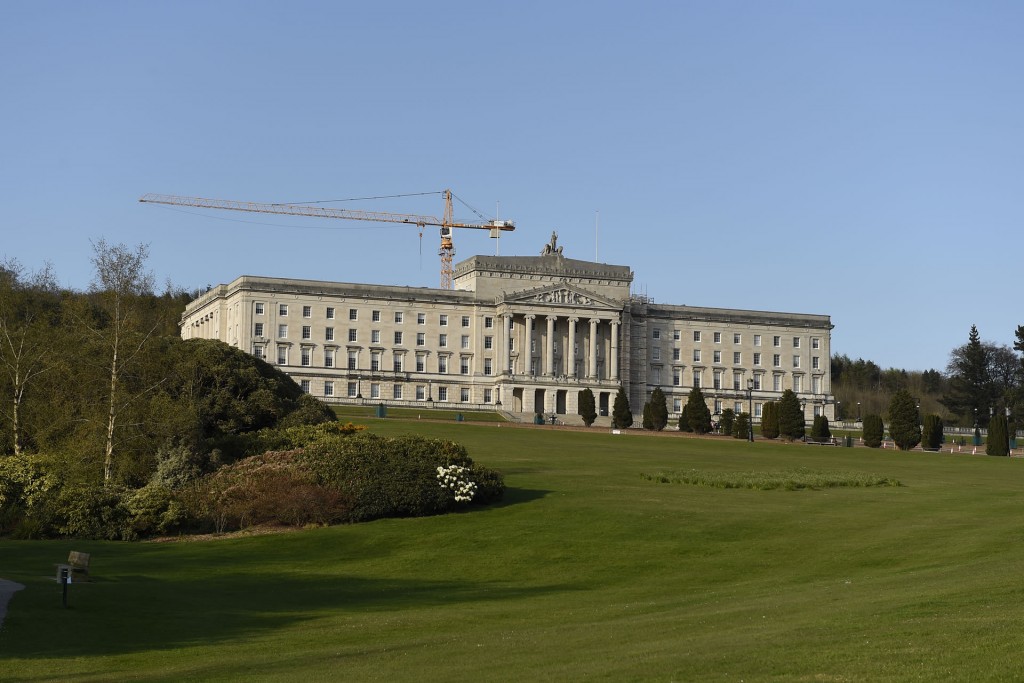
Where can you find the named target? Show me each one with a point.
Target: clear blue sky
(859, 159)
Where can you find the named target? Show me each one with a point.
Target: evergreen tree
(998, 436)
(728, 417)
(587, 407)
(684, 420)
(904, 427)
(791, 417)
(622, 416)
(741, 426)
(819, 428)
(648, 420)
(971, 390)
(659, 409)
(931, 434)
(697, 412)
(874, 431)
(770, 420)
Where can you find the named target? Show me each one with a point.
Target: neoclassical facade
(521, 334)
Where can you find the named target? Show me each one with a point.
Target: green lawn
(587, 571)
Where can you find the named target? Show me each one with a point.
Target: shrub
(741, 426)
(728, 417)
(819, 428)
(770, 420)
(931, 435)
(659, 409)
(791, 417)
(622, 416)
(998, 436)
(648, 419)
(903, 425)
(697, 413)
(587, 407)
(684, 421)
(874, 431)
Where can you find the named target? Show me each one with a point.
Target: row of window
(718, 380)
(737, 338)
(398, 391)
(375, 315)
(738, 407)
(737, 358)
(376, 360)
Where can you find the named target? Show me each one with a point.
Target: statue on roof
(552, 246)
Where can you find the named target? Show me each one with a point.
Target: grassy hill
(587, 570)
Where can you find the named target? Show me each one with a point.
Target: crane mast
(446, 224)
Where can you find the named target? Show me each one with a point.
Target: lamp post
(750, 410)
(836, 416)
(1011, 436)
(858, 411)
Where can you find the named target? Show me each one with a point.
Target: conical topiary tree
(931, 434)
(998, 437)
(659, 409)
(904, 428)
(770, 420)
(791, 417)
(684, 421)
(648, 421)
(587, 407)
(728, 417)
(622, 416)
(819, 429)
(874, 431)
(697, 412)
(741, 426)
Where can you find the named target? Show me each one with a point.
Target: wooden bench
(77, 566)
(827, 441)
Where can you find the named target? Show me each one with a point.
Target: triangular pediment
(561, 294)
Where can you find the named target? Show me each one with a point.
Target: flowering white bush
(456, 478)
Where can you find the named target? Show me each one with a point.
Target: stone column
(527, 352)
(570, 349)
(549, 347)
(504, 339)
(613, 361)
(592, 365)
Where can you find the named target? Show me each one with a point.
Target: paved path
(7, 591)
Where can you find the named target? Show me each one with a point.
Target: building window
(306, 355)
(464, 395)
(757, 358)
(656, 334)
(421, 392)
(675, 354)
(487, 366)
(396, 362)
(776, 341)
(375, 336)
(307, 311)
(696, 378)
(677, 379)
(443, 320)
(815, 362)
(375, 316)
(282, 331)
(817, 410)
(796, 342)
(398, 338)
(717, 356)
(696, 355)
(282, 309)
(487, 395)
(330, 312)
(259, 330)
(656, 353)
(442, 340)
(421, 363)
(465, 321)
(757, 340)
(464, 342)
(488, 322)
(328, 334)
(718, 337)
(353, 360)
(815, 343)
(259, 309)
(656, 375)
(798, 383)
(533, 366)
(736, 338)
(353, 314)
(421, 318)
(442, 393)
(757, 410)
(464, 365)
(717, 379)
(777, 360)
(353, 390)
(675, 335)
(696, 335)
(328, 358)
(816, 384)
(737, 358)
(374, 390)
(304, 385)
(777, 383)
(375, 361)
(442, 365)
(396, 391)
(677, 405)
(757, 382)
(258, 351)
(353, 335)
(398, 319)
(737, 408)
(328, 388)
(307, 332)
(796, 361)
(421, 339)
(488, 342)
(737, 378)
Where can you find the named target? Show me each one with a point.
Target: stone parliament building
(519, 334)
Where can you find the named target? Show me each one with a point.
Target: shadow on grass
(517, 496)
(130, 614)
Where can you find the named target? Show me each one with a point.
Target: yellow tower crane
(446, 224)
